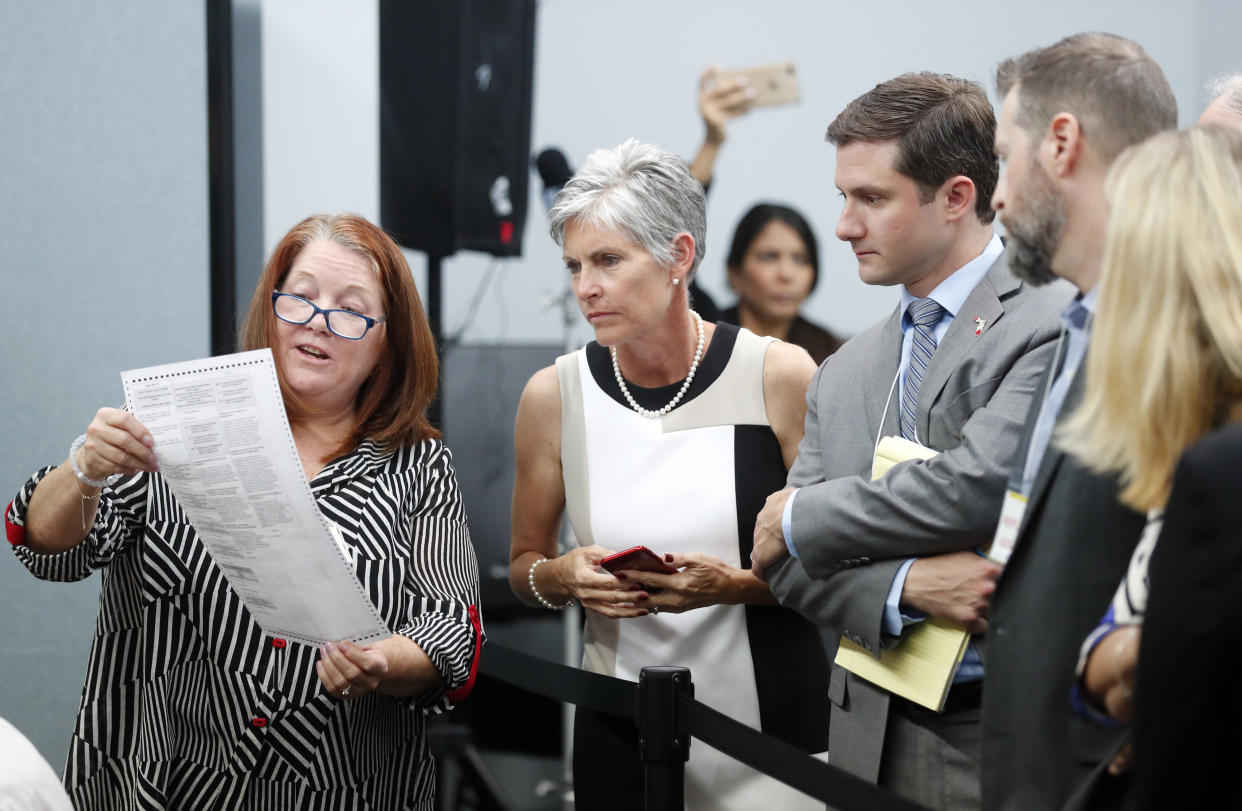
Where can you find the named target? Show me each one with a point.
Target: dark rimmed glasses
(342, 323)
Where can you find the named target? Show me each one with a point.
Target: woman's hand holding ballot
(64, 506)
(116, 443)
(395, 666)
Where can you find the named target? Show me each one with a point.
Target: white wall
(321, 110)
(104, 228)
(606, 71)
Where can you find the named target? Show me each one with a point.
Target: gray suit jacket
(852, 534)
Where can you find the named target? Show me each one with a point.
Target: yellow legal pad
(922, 665)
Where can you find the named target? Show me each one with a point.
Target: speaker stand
(463, 780)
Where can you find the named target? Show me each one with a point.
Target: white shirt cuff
(787, 525)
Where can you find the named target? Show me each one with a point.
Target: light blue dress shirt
(1077, 334)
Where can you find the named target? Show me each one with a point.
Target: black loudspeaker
(455, 91)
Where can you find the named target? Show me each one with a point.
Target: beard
(1035, 233)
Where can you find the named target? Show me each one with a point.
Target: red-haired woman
(188, 704)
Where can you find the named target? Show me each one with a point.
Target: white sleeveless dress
(679, 484)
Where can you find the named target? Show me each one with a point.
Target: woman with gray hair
(665, 432)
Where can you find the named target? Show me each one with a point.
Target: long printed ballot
(223, 443)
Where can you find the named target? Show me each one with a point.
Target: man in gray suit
(916, 169)
(1069, 110)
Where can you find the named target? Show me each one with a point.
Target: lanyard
(1028, 474)
(884, 415)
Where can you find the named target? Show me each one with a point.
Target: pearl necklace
(694, 367)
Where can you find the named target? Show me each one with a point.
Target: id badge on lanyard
(1006, 536)
(1014, 506)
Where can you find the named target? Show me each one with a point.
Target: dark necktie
(925, 313)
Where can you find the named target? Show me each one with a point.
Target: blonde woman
(1164, 368)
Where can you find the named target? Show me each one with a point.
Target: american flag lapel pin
(980, 323)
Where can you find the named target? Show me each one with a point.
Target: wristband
(77, 471)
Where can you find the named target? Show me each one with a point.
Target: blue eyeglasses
(343, 323)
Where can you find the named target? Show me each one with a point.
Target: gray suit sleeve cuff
(850, 602)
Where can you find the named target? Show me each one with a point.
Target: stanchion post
(662, 749)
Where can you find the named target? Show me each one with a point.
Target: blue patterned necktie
(926, 314)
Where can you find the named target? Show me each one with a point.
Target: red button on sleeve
(258, 722)
(15, 534)
(277, 642)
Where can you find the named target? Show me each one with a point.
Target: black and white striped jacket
(188, 704)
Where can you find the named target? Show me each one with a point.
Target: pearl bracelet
(77, 471)
(530, 581)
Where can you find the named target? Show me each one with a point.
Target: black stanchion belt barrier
(774, 757)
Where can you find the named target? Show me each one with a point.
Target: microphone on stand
(554, 170)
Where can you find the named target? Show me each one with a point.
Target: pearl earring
(676, 281)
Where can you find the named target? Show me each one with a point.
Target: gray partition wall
(105, 264)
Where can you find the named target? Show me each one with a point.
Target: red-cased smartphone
(637, 558)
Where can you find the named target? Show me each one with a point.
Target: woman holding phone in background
(666, 432)
(773, 266)
(773, 261)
